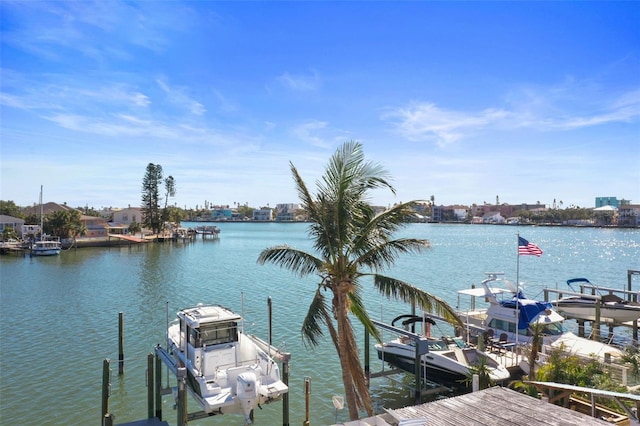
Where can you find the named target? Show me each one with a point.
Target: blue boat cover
(529, 309)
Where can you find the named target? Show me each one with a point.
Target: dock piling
(158, 387)
(120, 343)
(106, 387)
(181, 374)
(307, 393)
(150, 387)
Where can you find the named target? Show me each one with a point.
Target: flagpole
(517, 293)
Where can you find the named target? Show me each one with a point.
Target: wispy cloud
(426, 121)
(300, 82)
(549, 109)
(179, 97)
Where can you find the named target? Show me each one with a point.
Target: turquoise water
(60, 314)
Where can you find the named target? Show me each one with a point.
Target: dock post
(108, 420)
(285, 397)
(181, 374)
(367, 361)
(307, 392)
(595, 332)
(158, 383)
(105, 387)
(269, 310)
(120, 343)
(417, 366)
(150, 386)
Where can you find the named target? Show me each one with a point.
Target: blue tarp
(529, 309)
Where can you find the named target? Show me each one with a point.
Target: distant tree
(152, 216)
(135, 227)
(32, 219)
(9, 233)
(63, 223)
(174, 214)
(9, 208)
(89, 211)
(169, 191)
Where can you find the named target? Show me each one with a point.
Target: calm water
(60, 314)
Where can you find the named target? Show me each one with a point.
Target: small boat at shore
(612, 307)
(449, 360)
(227, 370)
(46, 247)
(509, 310)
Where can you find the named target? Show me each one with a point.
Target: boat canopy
(529, 309)
(480, 292)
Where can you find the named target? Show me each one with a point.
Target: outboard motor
(247, 391)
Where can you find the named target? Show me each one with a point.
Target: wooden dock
(130, 238)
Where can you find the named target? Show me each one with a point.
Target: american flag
(526, 248)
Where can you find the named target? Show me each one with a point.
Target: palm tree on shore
(351, 243)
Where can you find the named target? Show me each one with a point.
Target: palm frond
(312, 324)
(386, 223)
(385, 254)
(297, 261)
(397, 289)
(303, 193)
(357, 308)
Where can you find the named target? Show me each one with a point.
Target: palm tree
(351, 242)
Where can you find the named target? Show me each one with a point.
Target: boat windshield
(214, 334)
(553, 329)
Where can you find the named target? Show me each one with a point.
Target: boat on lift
(509, 310)
(228, 371)
(613, 308)
(449, 360)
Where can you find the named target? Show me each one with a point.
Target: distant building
(128, 216)
(606, 201)
(611, 201)
(286, 212)
(96, 226)
(10, 222)
(629, 215)
(47, 208)
(221, 214)
(263, 214)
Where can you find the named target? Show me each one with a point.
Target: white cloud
(426, 121)
(542, 109)
(178, 96)
(300, 82)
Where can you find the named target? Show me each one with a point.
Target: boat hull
(45, 252)
(617, 313)
(439, 368)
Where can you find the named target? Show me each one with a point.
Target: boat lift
(155, 391)
(629, 295)
(421, 349)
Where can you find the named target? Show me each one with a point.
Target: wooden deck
(128, 238)
(496, 406)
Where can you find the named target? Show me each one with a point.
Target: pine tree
(152, 217)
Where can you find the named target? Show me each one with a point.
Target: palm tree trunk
(345, 365)
(353, 377)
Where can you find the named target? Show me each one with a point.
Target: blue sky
(465, 101)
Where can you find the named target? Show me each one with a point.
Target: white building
(263, 214)
(128, 216)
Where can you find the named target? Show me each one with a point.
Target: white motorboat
(227, 370)
(46, 247)
(509, 310)
(449, 360)
(613, 308)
